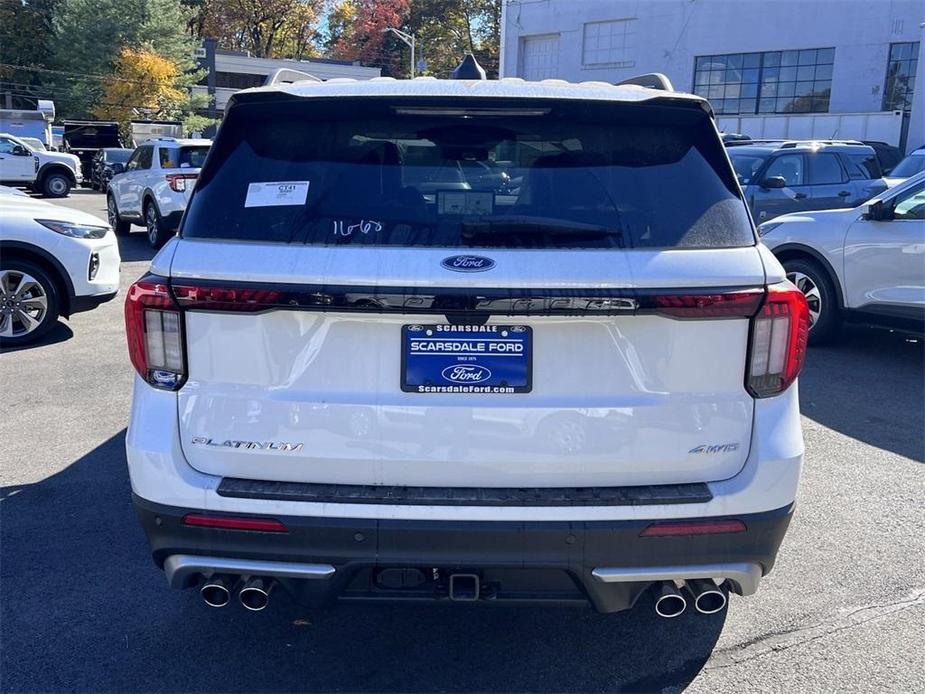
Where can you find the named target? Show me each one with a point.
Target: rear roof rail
(790, 144)
(651, 80)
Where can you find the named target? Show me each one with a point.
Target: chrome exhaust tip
(255, 595)
(709, 598)
(669, 602)
(216, 591)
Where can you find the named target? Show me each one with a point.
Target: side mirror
(879, 212)
(20, 151)
(774, 182)
(117, 168)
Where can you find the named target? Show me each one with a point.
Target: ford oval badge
(460, 373)
(468, 263)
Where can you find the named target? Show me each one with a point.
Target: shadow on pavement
(84, 609)
(135, 247)
(836, 384)
(60, 333)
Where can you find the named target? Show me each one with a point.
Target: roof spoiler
(286, 75)
(650, 80)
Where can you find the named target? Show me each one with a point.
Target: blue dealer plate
(466, 358)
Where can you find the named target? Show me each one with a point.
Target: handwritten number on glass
(364, 227)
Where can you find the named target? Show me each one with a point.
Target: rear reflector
(777, 349)
(266, 525)
(704, 527)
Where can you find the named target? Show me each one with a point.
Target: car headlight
(77, 231)
(767, 227)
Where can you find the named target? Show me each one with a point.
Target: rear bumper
(604, 562)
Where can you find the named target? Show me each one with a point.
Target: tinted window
(863, 166)
(910, 204)
(118, 155)
(145, 155)
(789, 167)
(376, 172)
(746, 165)
(193, 156)
(133, 160)
(909, 166)
(6, 146)
(825, 168)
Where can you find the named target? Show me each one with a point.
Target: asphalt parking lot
(84, 609)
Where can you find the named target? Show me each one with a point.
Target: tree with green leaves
(448, 29)
(88, 36)
(263, 28)
(25, 49)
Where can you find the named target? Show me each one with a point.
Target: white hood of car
(69, 160)
(16, 206)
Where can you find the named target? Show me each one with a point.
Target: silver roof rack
(651, 80)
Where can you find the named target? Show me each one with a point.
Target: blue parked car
(778, 176)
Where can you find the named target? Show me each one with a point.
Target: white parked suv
(865, 264)
(54, 261)
(52, 174)
(355, 383)
(155, 186)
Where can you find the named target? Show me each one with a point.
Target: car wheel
(28, 302)
(56, 185)
(112, 212)
(157, 234)
(814, 282)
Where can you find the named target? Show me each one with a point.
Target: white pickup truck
(51, 173)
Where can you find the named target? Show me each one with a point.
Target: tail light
(777, 348)
(154, 328)
(178, 182)
(217, 298)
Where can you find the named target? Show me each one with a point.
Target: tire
(158, 233)
(814, 282)
(28, 302)
(122, 228)
(56, 185)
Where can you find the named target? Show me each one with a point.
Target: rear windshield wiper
(524, 224)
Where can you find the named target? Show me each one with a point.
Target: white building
(231, 71)
(769, 67)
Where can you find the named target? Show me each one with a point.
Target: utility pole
(406, 38)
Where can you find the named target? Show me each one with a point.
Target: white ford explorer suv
(579, 385)
(154, 186)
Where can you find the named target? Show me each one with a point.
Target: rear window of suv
(479, 173)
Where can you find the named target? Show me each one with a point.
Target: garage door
(540, 57)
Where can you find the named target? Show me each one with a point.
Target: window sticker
(276, 193)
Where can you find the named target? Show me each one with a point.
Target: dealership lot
(85, 609)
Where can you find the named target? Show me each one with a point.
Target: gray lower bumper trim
(745, 576)
(181, 569)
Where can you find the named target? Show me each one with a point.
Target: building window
(900, 76)
(770, 82)
(238, 80)
(609, 43)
